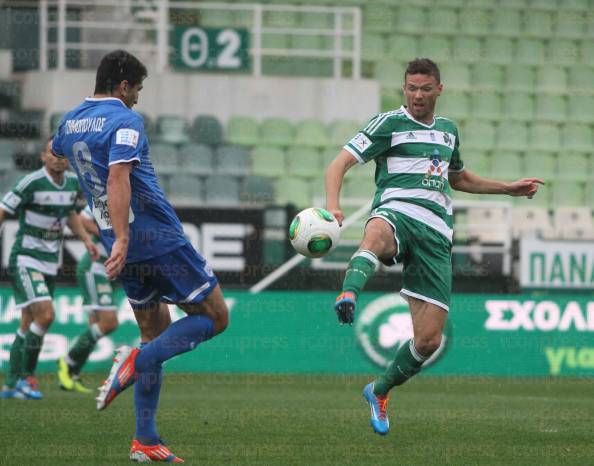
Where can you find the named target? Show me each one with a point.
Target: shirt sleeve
(16, 197)
(456, 163)
(126, 141)
(371, 141)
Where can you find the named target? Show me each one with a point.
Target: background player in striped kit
(418, 162)
(45, 202)
(97, 293)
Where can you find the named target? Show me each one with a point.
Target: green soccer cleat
(79, 387)
(64, 376)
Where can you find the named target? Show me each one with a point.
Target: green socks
(32, 347)
(406, 364)
(360, 269)
(15, 366)
(83, 347)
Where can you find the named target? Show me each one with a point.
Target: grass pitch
(220, 419)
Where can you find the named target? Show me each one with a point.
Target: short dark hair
(423, 66)
(118, 66)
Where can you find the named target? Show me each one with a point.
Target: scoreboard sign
(216, 49)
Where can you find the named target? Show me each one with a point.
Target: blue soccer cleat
(29, 388)
(121, 376)
(345, 307)
(378, 405)
(8, 393)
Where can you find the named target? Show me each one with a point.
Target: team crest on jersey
(361, 142)
(432, 136)
(446, 138)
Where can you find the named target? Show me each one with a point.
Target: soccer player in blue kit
(105, 141)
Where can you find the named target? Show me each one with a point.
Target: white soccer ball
(314, 232)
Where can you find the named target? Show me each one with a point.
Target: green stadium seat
(513, 4)
(506, 22)
(303, 162)
(518, 106)
(290, 190)
(317, 189)
(54, 121)
(272, 40)
(356, 188)
(25, 124)
(512, 135)
(477, 135)
(391, 100)
(171, 129)
(551, 108)
(164, 158)
(569, 23)
(455, 76)
(340, 132)
(573, 167)
(402, 47)
(483, 4)
(442, 20)
(243, 19)
(568, 194)
(379, 19)
(499, 50)
(530, 52)
(587, 49)
(281, 19)
(365, 171)
(487, 77)
(580, 80)
(243, 131)
(520, 78)
(477, 161)
(10, 94)
(149, 125)
(451, 3)
(216, 18)
(207, 129)
(257, 190)
(390, 74)
(409, 19)
(453, 105)
(276, 132)
(581, 5)
(268, 161)
(551, 78)
(540, 165)
(438, 48)
(486, 106)
(544, 137)
(186, 188)
(542, 199)
(581, 108)
(311, 133)
(467, 49)
(563, 52)
(309, 42)
(222, 190)
(196, 159)
(373, 46)
(577, 137)
(232, 160)
(538, 23)
(507, 166)
(475, 21)
(317, 20)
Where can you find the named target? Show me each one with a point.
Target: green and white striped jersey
(85, 264)
(412, 164)
(43, 208)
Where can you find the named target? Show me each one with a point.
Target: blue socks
(180, 337)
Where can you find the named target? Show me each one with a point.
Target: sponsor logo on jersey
(11, 200)
(434, 170)
(385, 325)
(411, 135)
(361, 142)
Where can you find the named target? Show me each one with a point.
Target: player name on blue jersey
(84, 125)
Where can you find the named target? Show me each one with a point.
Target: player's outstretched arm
(470, 183)
(334, 176)
(75, 224)
(118, 204)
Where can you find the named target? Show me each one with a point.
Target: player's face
(53, 164)
(421, 92)
(130, 93)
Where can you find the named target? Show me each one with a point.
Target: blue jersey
(103, 132)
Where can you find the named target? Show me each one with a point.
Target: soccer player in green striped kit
(417, 161)
(45, 202)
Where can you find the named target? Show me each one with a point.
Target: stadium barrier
(297, 332)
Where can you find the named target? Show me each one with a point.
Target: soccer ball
(314, 232)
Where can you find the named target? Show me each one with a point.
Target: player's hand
(92, 250)
(117, 260)
(524, 187)
(338, 215)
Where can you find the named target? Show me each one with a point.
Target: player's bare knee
(108, 322)
(221, 320)
(45, 317)
(427, 344)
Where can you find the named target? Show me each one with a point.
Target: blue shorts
(181, 276)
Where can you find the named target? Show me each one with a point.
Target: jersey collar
(410, 117)
(104, 99)
(50, 179)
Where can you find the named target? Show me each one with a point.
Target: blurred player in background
(97, 293)
(45, 202)
(106, 143)
(418, 161)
